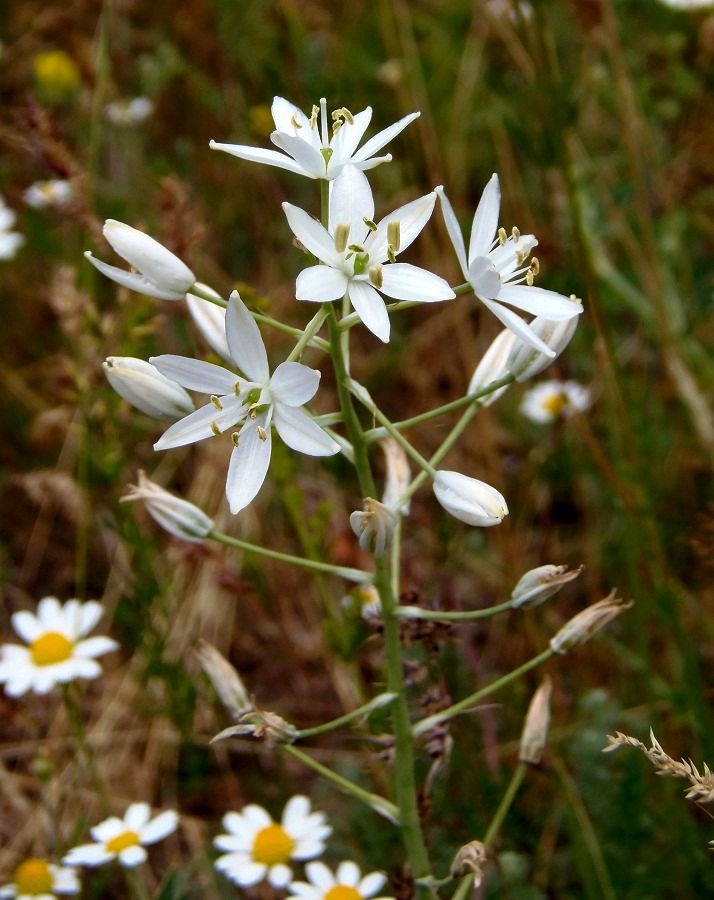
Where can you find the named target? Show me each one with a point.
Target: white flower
(159, 272)
(260, 400)
(142, 385)
(374, 526)
(177, 516)
(132, 111)
(354, 252)
(309, 149)
(495, 268)
(538, 584)
(36, 879)
(550, 400)
(56, 192)
(346, 884)
(525, 361)
(256, 847)
(688, 4)
(470, 500)
(493, 367)
(55, 653)
(10, 241)
(124, 839)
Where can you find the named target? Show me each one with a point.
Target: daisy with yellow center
(36, 879)
(552, 400)
(124, 839)
(346, 884)
(56, 650)
(258, 848)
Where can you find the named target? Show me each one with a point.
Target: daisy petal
(371, 883)
(294, 384)
(136, 816)
(348, 873)
(485, 220)
(27, 626)
(195, 374)
(301, 433)
(96, 646)
(50, 613)
(296, 810)
(160, 827)
(244, 341)
(370, 307)
(406, 282)
(87, 855)
(240, 872)
(320, 875)
(382, 138)
(454, 229)
(248, 467)
(89, 614)
(108, 829)
(257, 154)
(256, 816)
(279, 876)
(320, 284)
(314, 238)
(133, 856)
(539, 302)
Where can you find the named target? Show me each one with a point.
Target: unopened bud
(261, 724)
(374, 526)
(524, 361)
(469, 861)
(535, 729)
(210, 319)
(398, 474)
(225, 680)
(541, 583)
(588, 622)
(493, 367)
(177, 516)
(470, 500)
(142, 385)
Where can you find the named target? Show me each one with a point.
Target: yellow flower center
(33, 877)
(56, 70)
(555, 404)
(342, 892)
(51, 648)
(122, 841)
(272, 845)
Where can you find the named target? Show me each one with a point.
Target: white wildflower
(57, 192)
(552, 400)
(36, 879)
(347, 883)
(129, 111)
(10, 241)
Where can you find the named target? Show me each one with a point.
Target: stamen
(236, 388)
(391, 255)
(294, 122)
(356, 248)
(502, 236)
(234, 438)
(369, 223)
(313, 116)
(343, 115)
(253, 411)
(529, 277)
(262, 433)
(216, 402)
(515, 233)
(394, 235)
(535, 265)
(214, 428)
(375, 275)
(342, 233)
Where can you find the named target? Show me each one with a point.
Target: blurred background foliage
(599, 117)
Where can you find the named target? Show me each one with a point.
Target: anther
(535, 265)
(236, 388)
(294, 122)
(313, 116)
(356, 248)
(516, 234)
(502, 236)
(391, 255)
(343, 114)
(214, 428)
(529, 277)
(234, 438)
(342, 232)
(375, 275)
(394, 235)
(216, 401)
(262, 433)
(369, 223)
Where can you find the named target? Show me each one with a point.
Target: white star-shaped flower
(496, 268)
(256, 398)
(357, 256)
(346, 884)
(308, 148)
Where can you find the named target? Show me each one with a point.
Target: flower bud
(210, 319)
(493, 367)
(535, 729)
(263, 725)
(587, 622)
(177, 516)
(470, 500)
(159, 272)
(469, 861)
(398, 474)
(225, 680)
(373, 526)
(142, 385)
(364, 600)
(525, 361)
(539, 584)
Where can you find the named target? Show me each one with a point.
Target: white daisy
(55, 653)
(550, 400)
(124, 839)
(308, 148)
(36, 879)
(346, 884)
(256, 847)
(56, 192)
(129, 111)
(10, 241)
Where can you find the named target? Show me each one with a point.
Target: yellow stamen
(272, 845)
(342, 233)
(394, 235)
(33, 877)
(343, 892)
(234, 438)
(51, 648)
(215, 400)
(262, 433)
(555, 404)
(515, 233)
(375, 275)
(502, 236)
(214, 428)
(122, 841)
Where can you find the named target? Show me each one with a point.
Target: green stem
(468, 702)
(311, 329)
(356, 575)
(375, 434)
(209, 295)
(364, 710)
(435, 615)
(505, 804)
(75, 716)
(379, 804)
(136, 884)
(464, 288)
(465, 887)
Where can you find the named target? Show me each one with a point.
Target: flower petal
(520, 328)
(371, 883)
(348, 873)
(345, 142)
(485, 220)
(314, 238)
(320, 875)
(296, 810)
(294, 384)
(454, 229)
(311, 161)
(198, 425)
(136, 816)
(406, 282)
(320, 284)
(96, 646)
(27, 626)
(132, 856)
(87, 855)
(132, 280)
(210, 319)
(301, 433)
(279, 875)
(351, 202)
(241, 872)
(248, 466)
(244, 341)
(257, 154)
(412, 218)
(160, 827)
(539, 302)
(382, 138)
(195, 374)
(288, 117)
(370, 307)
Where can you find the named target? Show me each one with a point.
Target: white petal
(301, 433)
(27, 626)
(162, 267)
(296, 810)
(87, 855)
(294, 384)
(81, 668)
(412, 218)
(371, 883)
(320, 875)
(406, 282)
(286, 116)
(108, 829)
(539, 302)
(19, 683)
(485, 220)
(351, 202)
(197, 426)
(345, 142)
(132, 280)
(210, 319)
(314, 238)
(132, 856)
(244, 341)
(383, 137)
(195, 374)
(320, 284)
(96, 646)
(136, 816)
(454, 229)
(310, 847)
(257, 154)
(370, 307)
(309, 158)
(256, 816)
(248, 466)
(242, 873)
(279, 875)
(51, 614)
(159, 828)
(232, 843)
(89, 614)
(348, 873)
(515, 324)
